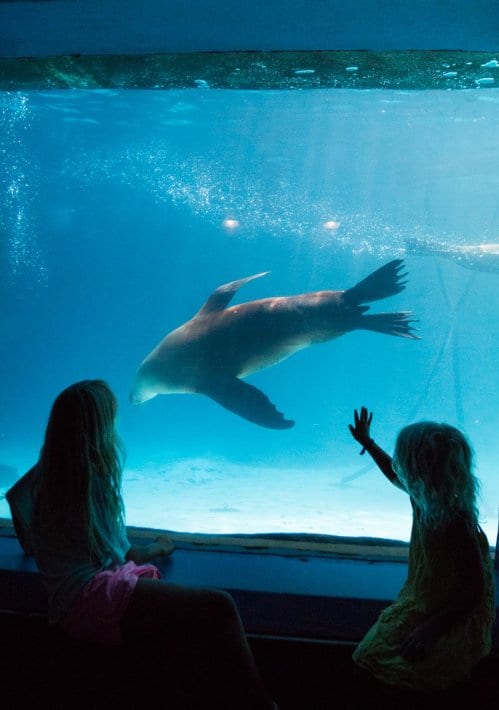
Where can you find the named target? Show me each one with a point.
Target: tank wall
(127, 27)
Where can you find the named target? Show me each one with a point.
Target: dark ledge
(339, 69)
(281, 590)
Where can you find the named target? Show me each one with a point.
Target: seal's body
(209, 353)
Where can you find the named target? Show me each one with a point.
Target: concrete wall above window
(61, 27)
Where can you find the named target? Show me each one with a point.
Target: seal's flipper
(382, 283)
(391, 324)
(245, 400)
(222, 296)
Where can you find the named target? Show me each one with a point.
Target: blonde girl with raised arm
(440, 625)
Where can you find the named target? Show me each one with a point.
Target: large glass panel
(122, 210)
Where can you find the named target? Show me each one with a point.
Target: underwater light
(331, 224)
(231, 223)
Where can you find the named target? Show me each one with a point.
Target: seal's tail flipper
(391, 324)
(382, 283)
(245, 400)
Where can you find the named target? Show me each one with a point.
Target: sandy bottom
(212, 496)
(209, 496)
(215, 496)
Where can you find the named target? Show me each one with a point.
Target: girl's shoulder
(21, 497)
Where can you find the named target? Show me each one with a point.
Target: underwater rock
(208, 354)
(480, 257)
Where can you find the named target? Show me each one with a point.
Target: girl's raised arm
(360, 431)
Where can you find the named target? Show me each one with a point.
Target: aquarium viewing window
(132, 187)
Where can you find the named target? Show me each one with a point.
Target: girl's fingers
(364, 418)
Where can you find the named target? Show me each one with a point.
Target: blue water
(113, 208)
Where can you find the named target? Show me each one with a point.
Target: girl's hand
(164, 545)
(161, 547)
(360, 429)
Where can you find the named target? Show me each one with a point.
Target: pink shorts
(96, 613)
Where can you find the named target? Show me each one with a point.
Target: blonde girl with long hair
(68, 512)
(440, 625)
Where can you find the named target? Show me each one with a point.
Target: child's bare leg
(205, 624)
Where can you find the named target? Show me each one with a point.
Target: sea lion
(479, 257)
(208, 354)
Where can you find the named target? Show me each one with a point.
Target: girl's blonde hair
(435, 462)
(81, 462)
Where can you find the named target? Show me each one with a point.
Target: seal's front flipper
(245, 400)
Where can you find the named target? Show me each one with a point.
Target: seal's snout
(141, 391)
(135, 396)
